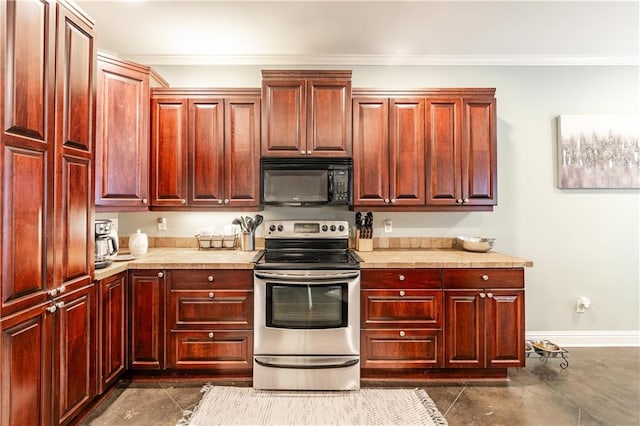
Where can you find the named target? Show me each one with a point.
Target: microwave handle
(330, 195)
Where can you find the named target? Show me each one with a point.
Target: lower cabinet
(146, 319)
(484, 318)
(210, 321)
(401, 326)
(112, 292)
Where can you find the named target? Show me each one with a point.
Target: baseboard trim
(591, 338)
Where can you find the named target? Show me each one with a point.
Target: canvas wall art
(599, 151)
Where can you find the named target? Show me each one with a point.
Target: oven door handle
(314, 277)
(348, 362)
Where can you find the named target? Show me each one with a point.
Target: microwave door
(295, 187)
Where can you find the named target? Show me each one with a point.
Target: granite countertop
(188, 258)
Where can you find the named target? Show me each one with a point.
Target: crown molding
(354, 60)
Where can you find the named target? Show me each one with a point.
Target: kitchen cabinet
(205, 148)
(461, 153)
(146, 319)
(389, 151)
(122, 133)
(306, 113)
(112, 295)
(47, 307)
(210, 321)
(402, 316)
(484, 318)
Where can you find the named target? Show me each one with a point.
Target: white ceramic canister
(138, 243)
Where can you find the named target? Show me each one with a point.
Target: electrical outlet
(388, 225)
(162, 224)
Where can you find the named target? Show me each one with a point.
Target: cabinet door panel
(169, 152)
(242, 151)
(26, 368)
(479, 158)
(206, 151)
(328, 122)
(401, 278)
(407, 151)
(146, 321)
(217, 350)
(401, 308)
(414, 348)
(75, 353)
(370, 151)
(219, 309)
(211, 279)
(112, 328)
(483, 278)
(283, 123)
(464, 329)
(443, 141)
(505, 328)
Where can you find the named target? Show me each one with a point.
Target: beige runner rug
(226, 405)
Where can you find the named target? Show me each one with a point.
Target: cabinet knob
(401, 277)
(402, 333)
(309, 152)
(53, 292)
(402, 293)
(183, 201)
(52, 308)
(465, 201)
(211, 295)
(489, 295)
(485, 278)
(386, 201)
(160, 274)
(211, 334)
(459, 201)
(210, 278)
(393, 200)
(219, 201)
(303, 152)
(60, 305)
(144, 201)
(226, 201)
(482, 295)
(62, 289)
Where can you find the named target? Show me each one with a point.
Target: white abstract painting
(599, 151)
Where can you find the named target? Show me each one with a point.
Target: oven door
(307, 313)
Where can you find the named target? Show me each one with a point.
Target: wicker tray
(217, 242)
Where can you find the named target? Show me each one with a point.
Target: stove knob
(280, 228)
(325, 228)
(272, 228)
(340, 228)
(333, 228)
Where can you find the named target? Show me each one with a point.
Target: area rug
(226, 405)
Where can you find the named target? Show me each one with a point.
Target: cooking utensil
(257, 221)
(248, 220)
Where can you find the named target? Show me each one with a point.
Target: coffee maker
(106, 242)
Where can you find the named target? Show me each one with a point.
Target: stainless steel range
(307, 308)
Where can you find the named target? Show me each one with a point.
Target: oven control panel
(307, 229)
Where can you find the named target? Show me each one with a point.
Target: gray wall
(582, 242)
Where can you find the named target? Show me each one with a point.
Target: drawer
(483, 278)
(222, 350)
(204, 279)
(401, 308)
(396, 348)
(214, 309)
(401, 278)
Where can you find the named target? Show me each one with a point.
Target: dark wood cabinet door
(479, 156)
(444, 179)
(146, 320)
(75, 353)
(112, 329)
(169, 152)
(122, 135)
(393, 348)
(329, 118)
(505, 329)
(206, 152)
(284, 118)
(216, 351)
(27, 152)
(370, 151)
(401, 308)
(211, 310)
(464, 329)
(407, 151)
(26, 386)
(242, 151)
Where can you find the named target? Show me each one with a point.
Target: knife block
(363, 244)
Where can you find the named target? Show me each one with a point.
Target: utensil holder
(248, 241)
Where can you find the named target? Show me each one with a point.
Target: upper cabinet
(122, 134)
(205, 148)
(462, 149)
(306, 113)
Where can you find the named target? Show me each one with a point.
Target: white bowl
(477, 244)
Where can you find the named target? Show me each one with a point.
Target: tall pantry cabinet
(47, 298)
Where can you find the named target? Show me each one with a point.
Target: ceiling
(337, 32)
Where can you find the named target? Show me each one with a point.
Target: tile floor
(601, 386)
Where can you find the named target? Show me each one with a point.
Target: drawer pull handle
(402, 293)
(211, 295)
(211, 335)
(485, 277)
(402, 334)
(482, 295)
(401, 277)
(210, 278)
(160, 275)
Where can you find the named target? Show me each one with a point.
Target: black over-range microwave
(306, 182)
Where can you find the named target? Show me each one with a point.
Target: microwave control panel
(340, 182)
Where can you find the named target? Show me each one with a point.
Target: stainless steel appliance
(307, 308)
(106, 243)
(306, 182)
